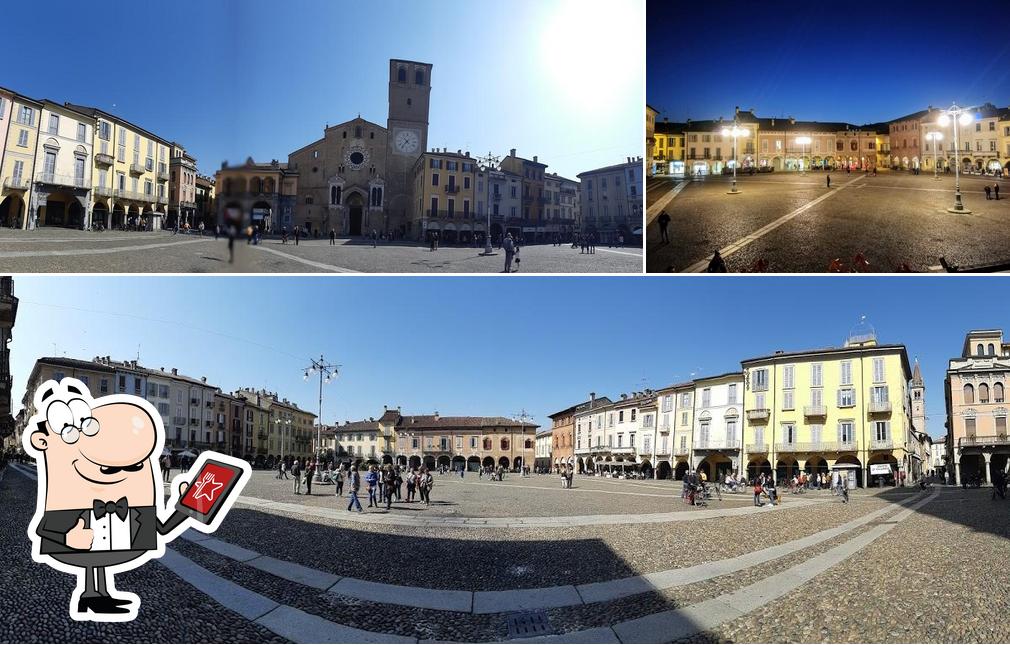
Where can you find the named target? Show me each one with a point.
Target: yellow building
(840, 409)
(1004, 139)
(280, 429)
(668, 149)
(444, 198)
(650, 134)
(683, 429)
(18, 167)
(130, 175)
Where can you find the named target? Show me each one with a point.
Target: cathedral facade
(356, 178)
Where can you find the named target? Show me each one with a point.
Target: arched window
(504, 444)
(419, 77)
(992, 349)
(980, 352)
(487, 444)
(256, 185)
(401, 75)
(997, 393)
(268, 185)
(969, 393)
(333, 195)
(983, 393)
(854, 145)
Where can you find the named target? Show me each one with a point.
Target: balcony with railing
(137, 169)
(17, 183)
(974, 441)
(717, 444)
(133, 195)
(756, 448)
(54, 179)
(496, 197)
(102, 159)
(814, 446)
(451, 189)
(163, 175)
(815, 410)
(104, 191)
(162, 199)
(887, 443)
(760, 414)
(878, 405)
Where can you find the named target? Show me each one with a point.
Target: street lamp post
(327, 372)
(936, 138)
(803, 141)
(735, 131)
(956, 116)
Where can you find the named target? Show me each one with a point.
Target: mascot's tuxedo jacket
(144, 528)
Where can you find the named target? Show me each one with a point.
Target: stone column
(986, 478)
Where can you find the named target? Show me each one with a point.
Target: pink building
(975, 390)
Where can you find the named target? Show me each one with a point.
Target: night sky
(858, 63)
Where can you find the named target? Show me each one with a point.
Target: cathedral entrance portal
(355, 210)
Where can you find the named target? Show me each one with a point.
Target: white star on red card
(207, 487)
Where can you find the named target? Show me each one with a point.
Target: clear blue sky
(561, 79)
(486, 346)
(825, 61)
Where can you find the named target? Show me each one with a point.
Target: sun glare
(591, 49)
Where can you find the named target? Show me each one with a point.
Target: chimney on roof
(459, 152)
(175, 371)
(385, 407)
(534, 159)
(436, 415)
(736, 111)
(203, 379)
(512, 152)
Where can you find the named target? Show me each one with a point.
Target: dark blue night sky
(853, 62)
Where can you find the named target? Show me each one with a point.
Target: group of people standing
(383, 485)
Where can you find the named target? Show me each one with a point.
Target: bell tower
(918, 393)
(407, 136)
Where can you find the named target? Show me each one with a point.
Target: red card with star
(209, 489)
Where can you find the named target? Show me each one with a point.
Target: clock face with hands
(406, 141)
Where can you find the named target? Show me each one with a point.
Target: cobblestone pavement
(895, 565)
(53, 250)
(893, 219)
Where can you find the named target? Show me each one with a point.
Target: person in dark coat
(664, 222)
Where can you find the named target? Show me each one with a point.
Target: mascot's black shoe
(103, 605)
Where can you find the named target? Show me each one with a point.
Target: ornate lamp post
(803, 141)
(327, 372)
(735, 131)
(936, 138)
(956, 116)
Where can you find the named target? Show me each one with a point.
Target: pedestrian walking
(425, 486)
(995, 189)
(296, 472)
(354, 484)
(166, 467)
(988, 192)
(310, 471)
(510, 251)
(333, 237)
(828, 179)
(411, 485)
(387, 486)
(664, 223)
(280, 470)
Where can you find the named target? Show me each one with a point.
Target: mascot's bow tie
(101, 508)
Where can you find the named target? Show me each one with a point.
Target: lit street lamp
(936, 138)
(957, 116)
(735, 132)
(803, 141)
